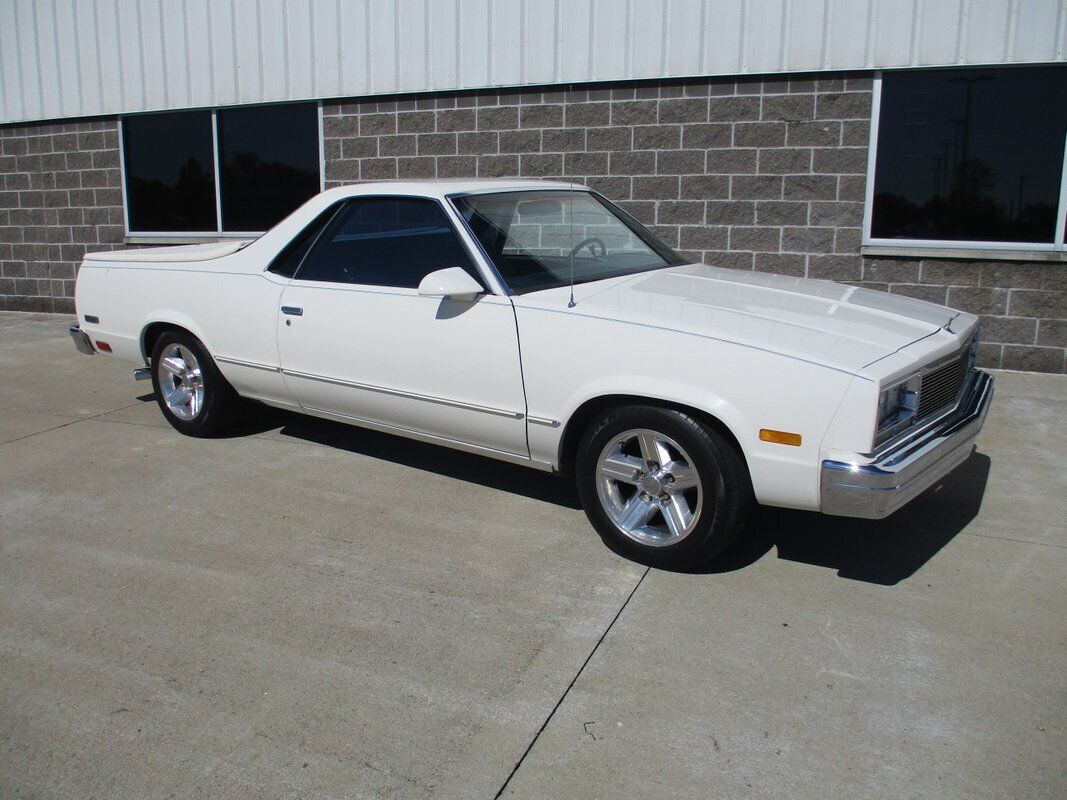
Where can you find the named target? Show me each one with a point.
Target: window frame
(963, 248)
(339, 208)
(218, 233)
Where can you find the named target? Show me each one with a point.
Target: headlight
(897, 405)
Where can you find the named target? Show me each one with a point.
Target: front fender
(745, 388)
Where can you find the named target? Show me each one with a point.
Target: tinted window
(386, 242)
(170, 172)
(269, 163)
(970, 154)
(287, 262)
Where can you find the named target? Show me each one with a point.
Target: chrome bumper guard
(874, 486)
(82, 342)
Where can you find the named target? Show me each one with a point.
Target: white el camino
(538, 323)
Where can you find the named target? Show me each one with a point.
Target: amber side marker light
(779, 437)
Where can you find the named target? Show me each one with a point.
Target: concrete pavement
(308, 610)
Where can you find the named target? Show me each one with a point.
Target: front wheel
(661, 487)
(193, 395)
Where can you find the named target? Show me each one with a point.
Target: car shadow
(883, 552)
(874, 551)
(457, 464)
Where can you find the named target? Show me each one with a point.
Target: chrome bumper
(82, 342)
(874, 486)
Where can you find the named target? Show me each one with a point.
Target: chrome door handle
(293, 311)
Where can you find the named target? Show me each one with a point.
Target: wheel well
(150, 335)
(581, 418)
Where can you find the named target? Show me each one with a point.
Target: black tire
(220, 405)
(725, 495)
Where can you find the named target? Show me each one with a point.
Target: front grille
(940, 386)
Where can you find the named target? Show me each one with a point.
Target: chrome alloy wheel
(649, 488)
(181, 382)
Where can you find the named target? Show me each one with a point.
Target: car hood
(840, 326)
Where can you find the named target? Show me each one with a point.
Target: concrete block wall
(1022, 305)
(749, 174)
(60, 195)
(752, 174)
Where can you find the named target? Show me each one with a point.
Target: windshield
(535, 238)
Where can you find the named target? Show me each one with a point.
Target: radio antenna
(570, 204)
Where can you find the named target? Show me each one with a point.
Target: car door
(356, 339)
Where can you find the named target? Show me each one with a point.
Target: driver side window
(386, 241)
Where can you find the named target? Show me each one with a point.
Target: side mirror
(453, 283)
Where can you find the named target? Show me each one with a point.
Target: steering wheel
(591, 243)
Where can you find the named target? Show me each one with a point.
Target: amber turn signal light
(779, 437)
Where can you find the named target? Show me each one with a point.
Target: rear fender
(175, 319)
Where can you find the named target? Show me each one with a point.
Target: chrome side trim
(444, 401)
(873, 486)
(551, 423)
(250, 364)
(456, 444)
(82, 342)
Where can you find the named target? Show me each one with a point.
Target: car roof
(443, 187)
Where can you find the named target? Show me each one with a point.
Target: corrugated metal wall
(68, 58)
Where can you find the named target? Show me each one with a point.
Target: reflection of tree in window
(970, 154)
(170, 182)
(269, 163)
(177, 206)
(260, 193)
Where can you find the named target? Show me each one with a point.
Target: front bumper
(82, 342)
(874, 486)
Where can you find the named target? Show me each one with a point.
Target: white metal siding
(67, 58)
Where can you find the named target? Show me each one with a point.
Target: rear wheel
(194, 396)
(661, 487)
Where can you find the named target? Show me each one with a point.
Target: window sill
(963, 252)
